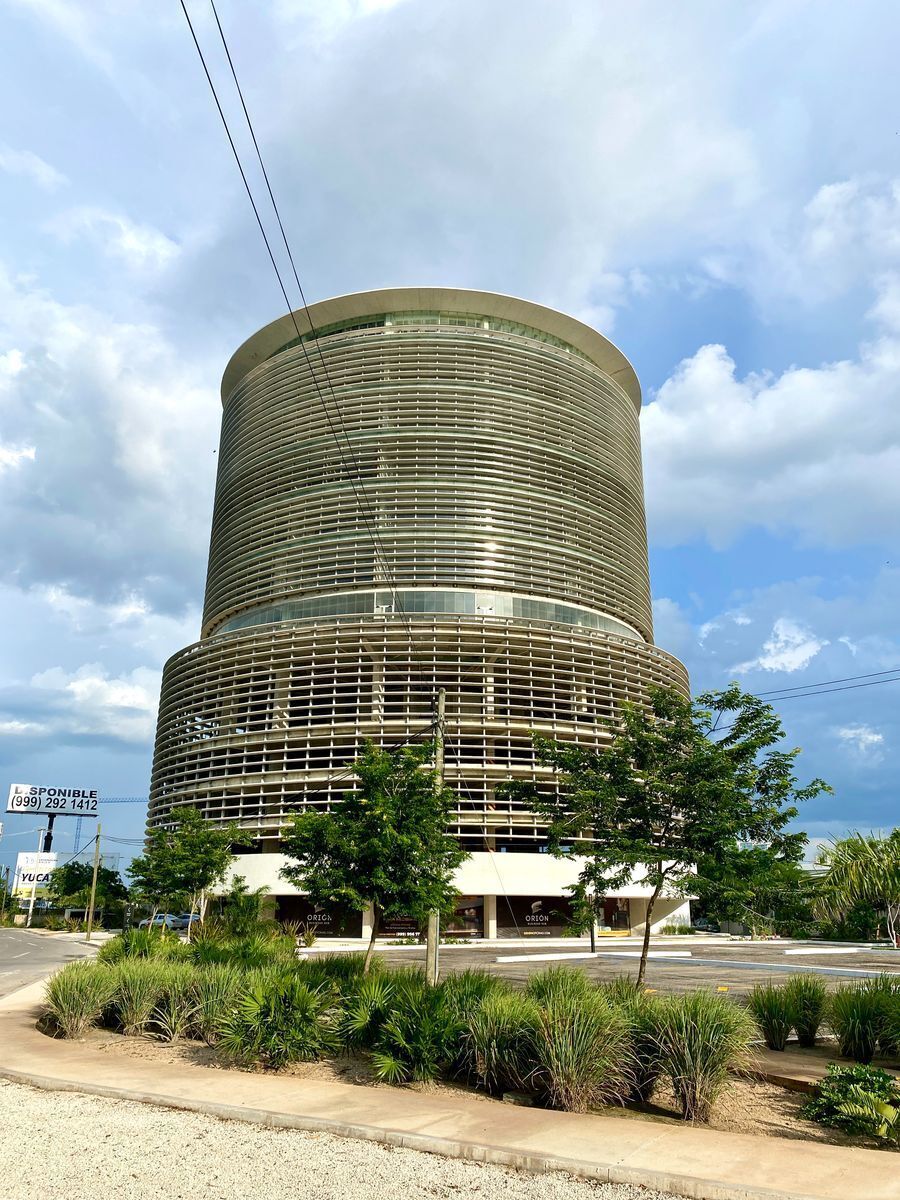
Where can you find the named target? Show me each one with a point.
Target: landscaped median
(604, 1051)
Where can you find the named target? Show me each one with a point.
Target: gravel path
(65, 1146)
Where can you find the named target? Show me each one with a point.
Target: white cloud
(126, 428)
(31, 166)
(90, 702)
(13, 456)
(790, 647)
(141, 247)
(813, 452)
(15, 728)
(863, 740)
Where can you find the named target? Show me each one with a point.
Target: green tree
(70, 885)
(864, 869)
(182, 863)
(670, 789)
(385, 845)
(763, 886)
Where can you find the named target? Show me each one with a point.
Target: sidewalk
(687, 1161)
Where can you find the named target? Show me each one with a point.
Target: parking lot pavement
(27, 956)
(732, 965)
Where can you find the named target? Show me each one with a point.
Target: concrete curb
(678, 1185)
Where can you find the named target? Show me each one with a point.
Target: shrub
(887, 989)
(808, 999)
(280, 1021)
(678, 927)
(702, 1037)
(420, 1036)
(112, 951)
(581, 1051)
(176, 1007)
(77, 996)
(771, 1005)
(343, 971)
(559, 982)
(216, 988)
(139, 986)
(368, 1007)
(854, 1013)
(862, 1100)
(498, 1047)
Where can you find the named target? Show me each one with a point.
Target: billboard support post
(48, 836)
(34, 880)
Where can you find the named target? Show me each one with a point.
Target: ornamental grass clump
(887, 989)
(771, 1006)
(559, 982)
(498, 1045)
(138, 988)
(277, 1021)
(702, 1038)
(216, 989)
(854, 1013)
(643, 1014)
(808, 1000)
(174, 1013)
(77, 996)
(581, 1051)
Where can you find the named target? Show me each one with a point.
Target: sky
(714, 186)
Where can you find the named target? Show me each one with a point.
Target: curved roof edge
(262, 344)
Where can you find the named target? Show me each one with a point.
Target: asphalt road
(27, 957)
(735, 966)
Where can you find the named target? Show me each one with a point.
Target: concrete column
(490, 916)
(367, 918)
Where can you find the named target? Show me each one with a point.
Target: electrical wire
(827, 682)
(362, 500)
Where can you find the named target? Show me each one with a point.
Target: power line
(366, 511)
(800, 687)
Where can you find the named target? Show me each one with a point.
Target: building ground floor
(501, 895)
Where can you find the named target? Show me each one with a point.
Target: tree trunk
(376, 922)
(646, 946)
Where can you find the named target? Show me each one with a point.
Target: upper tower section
(478, 453)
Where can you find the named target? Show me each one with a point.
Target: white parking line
(826, 950)
(509, 958)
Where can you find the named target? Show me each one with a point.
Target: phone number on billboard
(52, 800)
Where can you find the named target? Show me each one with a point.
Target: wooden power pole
(90, 919)
(433, 938)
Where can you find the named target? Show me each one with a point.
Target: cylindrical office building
(427, 488)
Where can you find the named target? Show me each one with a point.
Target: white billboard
(55, 801)
(33, 871)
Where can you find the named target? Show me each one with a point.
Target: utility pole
(90, 920)
(3, 898)
(433, 938)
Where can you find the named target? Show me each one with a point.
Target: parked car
(163, 921)
(705, 925)
(187, 919)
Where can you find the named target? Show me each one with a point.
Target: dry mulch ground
(747, 1106)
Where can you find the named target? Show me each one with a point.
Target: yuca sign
(58, 801)
(33, 871)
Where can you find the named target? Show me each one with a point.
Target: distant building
(465, 511)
